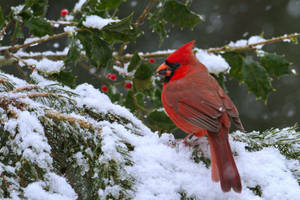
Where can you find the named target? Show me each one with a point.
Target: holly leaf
(129, 101)
(145, 71)
(134, 62)
(256, 78)
(66, 78)
(17, 32)
(275, 64)
(38, 26)
(177, 13)
(140, 99)
(97, 50)
(235, 61)
(38, 7)
(2, 21)
(73, 53)
(158, 25)
(160, 121)
(123, 30)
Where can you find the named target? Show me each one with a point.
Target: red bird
(197, 104)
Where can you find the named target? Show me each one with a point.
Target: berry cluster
(113, 77)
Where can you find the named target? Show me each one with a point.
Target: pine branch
(60, 117)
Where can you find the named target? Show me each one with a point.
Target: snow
(30, 142)
(252, 40)
(79, 5)
(57, 189)
(94, 21)
(162, 166)
(45, 65)
(214, 63)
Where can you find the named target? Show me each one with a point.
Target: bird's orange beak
(163, 70)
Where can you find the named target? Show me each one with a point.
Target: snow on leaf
(94, 21)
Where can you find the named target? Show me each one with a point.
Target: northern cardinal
(197, 104)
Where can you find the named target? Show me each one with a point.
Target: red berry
(151, 60)
(64, 12)
(108, 76)
(113, 77)
(128, 85)
(104, 88)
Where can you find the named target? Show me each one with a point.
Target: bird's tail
(223, 166)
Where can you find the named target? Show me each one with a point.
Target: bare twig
(43, 39)
(225, 48)
(138, 22)
(142, 17)
(253, 45)
(2, 32)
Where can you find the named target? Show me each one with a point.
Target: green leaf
(129, 101)
(97, 50)
(145, 71)
(140, 99)
(177, 13)
(17, 32)
(2, 21)
(134, 62)
(235, 61)
(66, 78)
(158, 25)
(73, 53)
(38, 26)
(142, 85)
(39, 7)
(256, 78)
(123, 30)
(160, 121)
(275, 64)
(110, 4)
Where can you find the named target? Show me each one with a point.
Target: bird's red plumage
(197, 104)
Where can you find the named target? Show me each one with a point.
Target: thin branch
(18, 67)
(225, 48)
(2, 32)
(142, 17)
(43, 39)
(253, 45)
(138, 22)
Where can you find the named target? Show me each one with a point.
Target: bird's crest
(183, 55)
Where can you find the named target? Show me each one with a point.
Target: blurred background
(226, 21)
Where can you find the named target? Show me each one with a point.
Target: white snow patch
(94, 21)
(49, 66)
(251, 40)
(70, 29)
(78, 5)
(214, 63)
(30, 141)
(45, 65)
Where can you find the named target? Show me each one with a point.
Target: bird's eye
(172, 65)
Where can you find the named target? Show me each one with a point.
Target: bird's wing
(195, 98)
